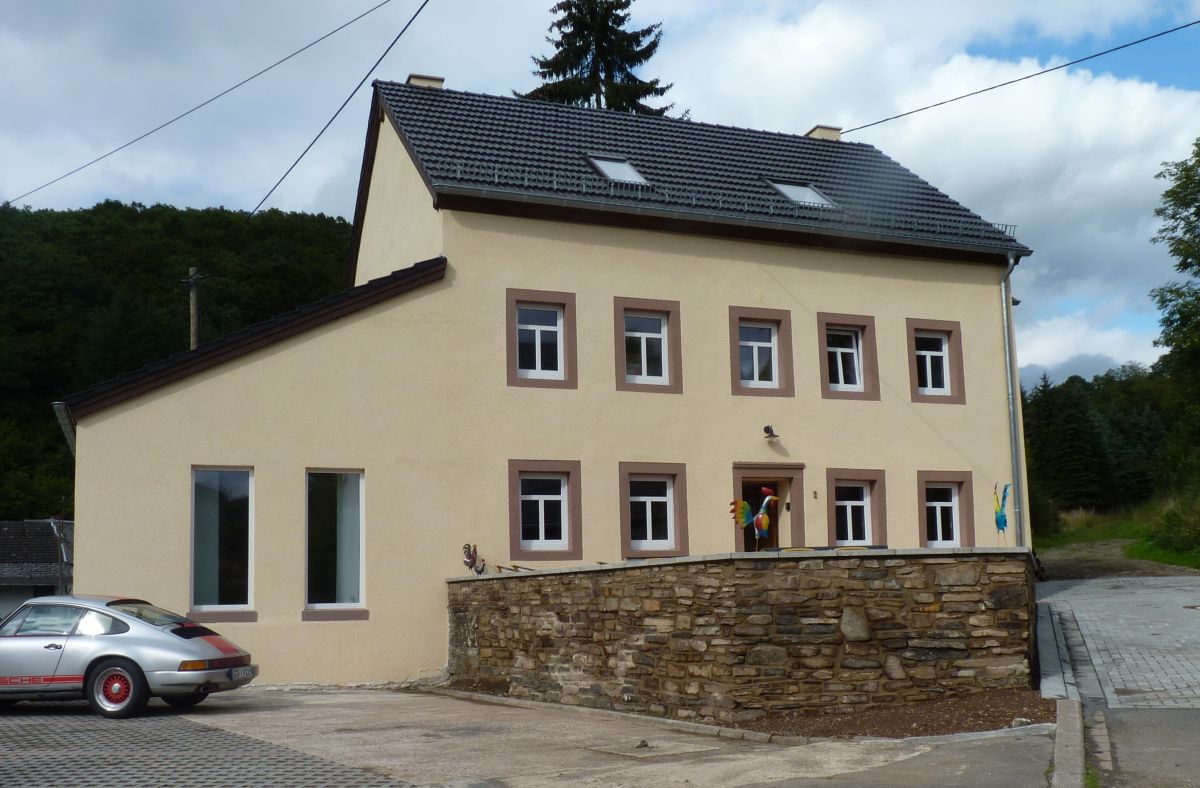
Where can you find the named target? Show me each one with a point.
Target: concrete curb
(702, 729)
(1068, 746)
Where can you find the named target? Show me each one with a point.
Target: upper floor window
(758, 354)
(932, 362)
(539, 341)
(221, 537)
(849, 364)
(541, 338)
(544, 510)
(935, 361)
(760, 347)
(646, 337)
(844, 349)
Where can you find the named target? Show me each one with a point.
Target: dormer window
(802, 193)
(617, 169)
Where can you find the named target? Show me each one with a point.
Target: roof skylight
(616, 169)
(802, 193)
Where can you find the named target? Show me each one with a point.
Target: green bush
(1178, 527)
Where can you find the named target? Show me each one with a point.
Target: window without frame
(334, 538)
(220, 537)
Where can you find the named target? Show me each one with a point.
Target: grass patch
(1089, 527)
(1091, 778)
(1148, 551)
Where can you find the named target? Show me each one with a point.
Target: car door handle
(52, 645)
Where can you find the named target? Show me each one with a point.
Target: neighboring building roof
(29, 552)
(255, 337)
(477, 152)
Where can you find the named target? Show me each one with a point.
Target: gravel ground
(1102, 559)
(978, 711)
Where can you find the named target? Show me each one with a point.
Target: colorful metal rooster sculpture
(472, 560)
(761, 522)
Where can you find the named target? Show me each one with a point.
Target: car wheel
(183, 701)
(117, 688)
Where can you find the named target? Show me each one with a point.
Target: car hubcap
(115, 689)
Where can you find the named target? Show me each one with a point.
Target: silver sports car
(115, 652)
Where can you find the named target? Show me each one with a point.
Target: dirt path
(1102, 559)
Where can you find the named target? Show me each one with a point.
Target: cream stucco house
(566, 334)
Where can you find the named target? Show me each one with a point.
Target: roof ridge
(556, 106)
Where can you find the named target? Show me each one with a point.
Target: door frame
(793, 474)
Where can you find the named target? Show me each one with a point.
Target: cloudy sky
(1069, 157)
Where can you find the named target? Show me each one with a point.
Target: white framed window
(651, 513)
(334, 503)
(941, 515)
(852, 513)
(222, 538)
(646, 348)
(540, 342)
(758, 354)
(933, 362)
(543, 511)
(843, 348)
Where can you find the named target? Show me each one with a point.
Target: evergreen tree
(595, 57)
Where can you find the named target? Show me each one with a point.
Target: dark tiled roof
(251, 338)
(535, 151)
(29, 552)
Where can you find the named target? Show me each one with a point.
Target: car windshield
(149, 613)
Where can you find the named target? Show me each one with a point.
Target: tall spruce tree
(595, 57)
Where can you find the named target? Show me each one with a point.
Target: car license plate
(243, 672)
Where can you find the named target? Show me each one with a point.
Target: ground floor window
(852, 506)
(334, 538)
(653, 509)
(221, 537)
(857, 500)
(544, 510)
(946, 509)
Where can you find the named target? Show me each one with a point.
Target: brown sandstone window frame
(784, 367)
(677, 471)
(513, 298)
(673, 337)
(876, 479)
(954, 358)
(572, 470)
(868, 354)
(966, 504)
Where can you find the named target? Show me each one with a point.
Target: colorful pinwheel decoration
(743, 516)
(1001, 503)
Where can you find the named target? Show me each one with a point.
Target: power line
(1027, 76)
(200, 105)
(329, 122)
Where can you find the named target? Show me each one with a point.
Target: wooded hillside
(89, 294)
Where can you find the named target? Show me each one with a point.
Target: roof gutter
(1014, 425)
(603, 206)
(65, 423)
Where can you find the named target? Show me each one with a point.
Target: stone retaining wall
(731, 637)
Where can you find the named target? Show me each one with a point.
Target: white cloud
(1054, 340)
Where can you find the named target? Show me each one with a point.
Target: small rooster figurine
(742, 517)
(472, 560)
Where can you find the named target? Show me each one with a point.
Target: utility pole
(192, 282)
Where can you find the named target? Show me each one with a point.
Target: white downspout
(1014, 431)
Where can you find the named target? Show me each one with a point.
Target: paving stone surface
(1142, 637)
(64, 744)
